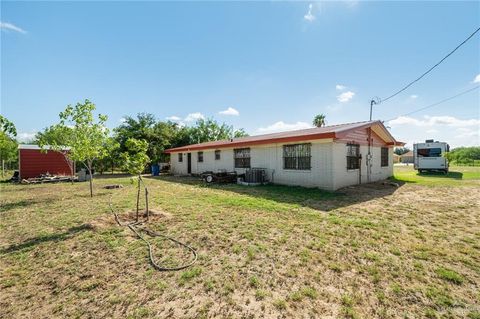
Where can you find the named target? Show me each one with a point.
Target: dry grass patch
(368, 251)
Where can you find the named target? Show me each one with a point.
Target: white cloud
(413, 96)
(477, 79)
(340, 87)
(345, 96)
(24, 137)
(429, 121)
(193, 117)
(230, 111)
(464, 132)
(281, 126)
(11, 27)
(173, 118)
(309, 16)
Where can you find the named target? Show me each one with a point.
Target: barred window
(200, 157)
(384, 158)
(297, 156)
(180, 157)
(217, 154)
(242, 157)
(353, 156)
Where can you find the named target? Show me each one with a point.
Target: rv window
(353, 155)
(217, 155)
(200, 157)
(384, 157)
(297, 156)
(180, 157)
(429, 152)
(242, 157)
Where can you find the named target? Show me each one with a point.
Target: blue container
(155, 170)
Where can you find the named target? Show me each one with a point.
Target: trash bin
(155, 170)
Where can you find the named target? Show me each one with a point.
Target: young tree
(319, 120)
(87, 136)
(134, 161)
(8, 144)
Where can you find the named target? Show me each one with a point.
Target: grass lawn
(457, 176)
(371, 251)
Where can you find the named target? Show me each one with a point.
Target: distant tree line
(401, 150)
(77, 126)
(464, 155)
(8, 145)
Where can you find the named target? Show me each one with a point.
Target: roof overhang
(229, 144)
(377, 127)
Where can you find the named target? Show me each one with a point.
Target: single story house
(32, 162)
(327, 157)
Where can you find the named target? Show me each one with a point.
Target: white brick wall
(344, 177)
(329, 165)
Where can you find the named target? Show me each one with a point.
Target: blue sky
(271, 65)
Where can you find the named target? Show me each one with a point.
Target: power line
(437, 103)
(429, 70)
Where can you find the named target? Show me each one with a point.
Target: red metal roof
(285, 137)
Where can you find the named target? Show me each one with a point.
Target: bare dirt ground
(370, 251)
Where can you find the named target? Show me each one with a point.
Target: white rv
(428, 156)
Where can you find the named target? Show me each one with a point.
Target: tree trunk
(146, 201)
(138, 197)
(91, 178)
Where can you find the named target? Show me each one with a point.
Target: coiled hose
(133, 228)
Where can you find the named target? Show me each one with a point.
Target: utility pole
(369, 155)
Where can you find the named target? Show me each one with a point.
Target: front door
(189, 163)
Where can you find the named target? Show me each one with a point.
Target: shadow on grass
(46, 238)
(454, 175)
(109, 176)
(417, 177)
(20, 204)
(308, 197)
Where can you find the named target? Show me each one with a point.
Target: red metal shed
(32, 162)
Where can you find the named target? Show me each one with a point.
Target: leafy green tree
(134, 160)
(240, 133)
(319, 120)
(54, 135)
(210, 130)
(112, 156)
(464, 155)
(143, 127)
(86, 138)
(8, 144)
(401, 150)
(7, 127)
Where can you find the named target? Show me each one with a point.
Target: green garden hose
(133, 227)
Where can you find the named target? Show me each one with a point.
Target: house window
(384, 159)
(180, 157)
(297, 156)
(217, 155)
(200, 157)
(242, 157)
(353, 156)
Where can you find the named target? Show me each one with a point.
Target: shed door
(189, 163)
